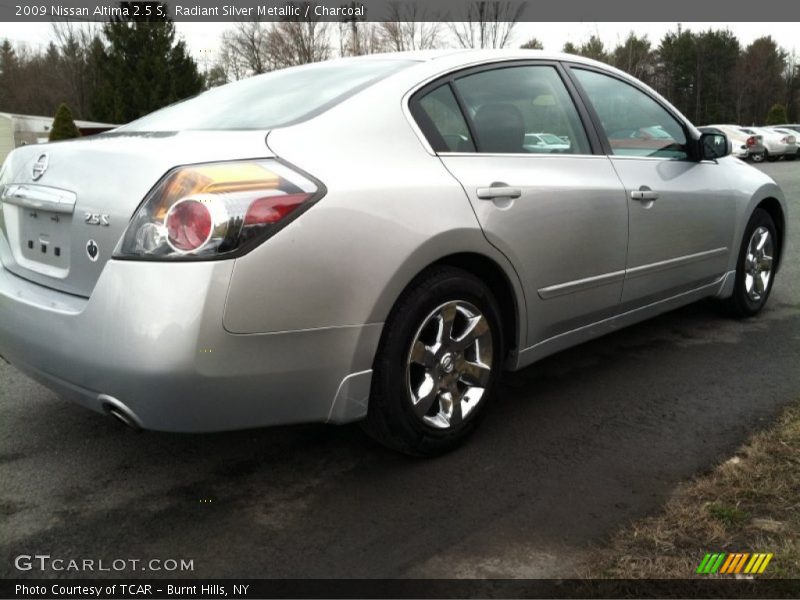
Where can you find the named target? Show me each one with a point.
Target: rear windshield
(271, 100)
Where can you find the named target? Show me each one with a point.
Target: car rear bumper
(151, 340)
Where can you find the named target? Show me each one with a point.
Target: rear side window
(271, 100)
(442, 122)
(522, 110)
(635, 124)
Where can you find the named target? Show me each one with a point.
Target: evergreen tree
(142, 68)
(64, 127)
(777, 115)
(9, 67)
(532, 44)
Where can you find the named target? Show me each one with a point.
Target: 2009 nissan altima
(368, 239)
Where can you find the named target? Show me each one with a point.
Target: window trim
(691, 141)
(449, 78)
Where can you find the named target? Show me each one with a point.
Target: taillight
(188, 225)
(751, 141)
(216, 210)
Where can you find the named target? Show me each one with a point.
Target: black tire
(740, 304)
(391, 419)
(757, 158)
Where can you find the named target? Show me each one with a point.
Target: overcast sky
(203, 38)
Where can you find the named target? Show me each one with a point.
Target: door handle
(644, 195)
(499, 192)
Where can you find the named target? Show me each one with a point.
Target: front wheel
(755, 268)
(438, 359)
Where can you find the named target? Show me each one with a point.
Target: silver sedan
(368, 239)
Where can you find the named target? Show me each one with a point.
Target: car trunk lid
(65, 206)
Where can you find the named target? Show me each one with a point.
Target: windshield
(271, 100)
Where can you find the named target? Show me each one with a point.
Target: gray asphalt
(573, 448)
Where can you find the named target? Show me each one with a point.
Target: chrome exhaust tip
(120, 412)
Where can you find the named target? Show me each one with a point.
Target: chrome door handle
(499, 192)
(644, 195)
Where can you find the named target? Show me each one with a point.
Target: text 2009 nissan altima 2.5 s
(368, 239)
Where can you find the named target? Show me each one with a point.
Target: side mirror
(714, 146)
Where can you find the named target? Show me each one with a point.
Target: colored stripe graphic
(703, 563)
(735, 563)
(764, 564)
(741, 562)
(716, 565)
(731, 563)
(726, 565)
(754, 562)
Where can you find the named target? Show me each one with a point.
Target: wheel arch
(501, 279)
(773, 207)
(492, 274)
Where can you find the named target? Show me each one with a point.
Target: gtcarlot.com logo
(45, 562)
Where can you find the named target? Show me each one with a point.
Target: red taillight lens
(188, 225)
(751, 141)
(272, 209)
(216, 209)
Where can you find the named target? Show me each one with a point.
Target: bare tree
(299, 42)
(411, 27)
(489, 24)
(254, 47)
(244, 50)
(358, 37)
(76, 62)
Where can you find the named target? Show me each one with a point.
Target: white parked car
(745, 145)
(546, 143)
(791, 139)
(776, 145)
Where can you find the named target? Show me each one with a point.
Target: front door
(681, 215)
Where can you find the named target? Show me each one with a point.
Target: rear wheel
(438, 359)
(758, 157)
(755, 268)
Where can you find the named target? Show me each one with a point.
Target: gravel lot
(574, 447)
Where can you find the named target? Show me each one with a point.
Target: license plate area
(44, 237)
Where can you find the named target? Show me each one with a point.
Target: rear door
(682, 212)
(558, 213)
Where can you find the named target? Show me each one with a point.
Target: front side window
(635, 124)
(522, 110)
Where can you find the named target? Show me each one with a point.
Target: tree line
(709, 76)
(127, 68)
(114, 73)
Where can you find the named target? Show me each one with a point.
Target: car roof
(469, 56)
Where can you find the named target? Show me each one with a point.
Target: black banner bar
(389, 10)
(69, 589)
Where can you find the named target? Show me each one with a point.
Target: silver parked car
(368, 239)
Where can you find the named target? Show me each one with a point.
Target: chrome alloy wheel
(449, 364)
(758, 264)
